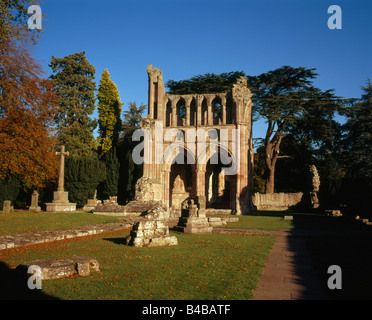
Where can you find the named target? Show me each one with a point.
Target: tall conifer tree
(109, 112)
(73, 79)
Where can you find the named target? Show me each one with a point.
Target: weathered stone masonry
(172, 182)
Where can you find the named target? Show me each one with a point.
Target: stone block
(163, 241)
(64, 267)
(333, 213)
(197, 230)
(91, 204)
(149, 233)
(190, 225)
(214, 219)
(138, 242)
(60, 207)
(216, 222)
(161, 224)
(60, 197)
(230, 219)
(162, 231)
(171, 241)
(157, 242)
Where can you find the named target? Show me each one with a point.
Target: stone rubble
(152, 232)
(109, 207)
(63, 267)
(333, 213)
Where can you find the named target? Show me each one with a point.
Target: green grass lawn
(201, 267)
(273, 221)
(26, 221)
(270, 220)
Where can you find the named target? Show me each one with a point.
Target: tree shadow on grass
(13, 285)
(120, 241)
(318, 242)
(304, 253)
(351, 252)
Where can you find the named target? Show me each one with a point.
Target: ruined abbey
(198, 147)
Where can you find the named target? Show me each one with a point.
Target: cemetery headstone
(35, 202)
(6, 206)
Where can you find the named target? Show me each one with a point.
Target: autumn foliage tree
(27, 108)
(13, 21)
(26, 149)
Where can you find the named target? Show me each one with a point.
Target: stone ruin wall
(276, 201)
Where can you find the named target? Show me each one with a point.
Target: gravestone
(6, 206)
(60, 197)
(35, 202)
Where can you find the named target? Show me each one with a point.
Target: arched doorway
(219, 187)
(181, 179)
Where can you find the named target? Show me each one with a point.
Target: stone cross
(61, 179)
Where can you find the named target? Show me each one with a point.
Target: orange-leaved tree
(27, 109)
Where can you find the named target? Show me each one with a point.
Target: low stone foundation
(221, 221)
(64, 267)
(31, 238)
(109, 207)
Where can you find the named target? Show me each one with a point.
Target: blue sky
(189, 37)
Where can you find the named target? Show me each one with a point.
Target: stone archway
(219, 187)
(181, 179)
